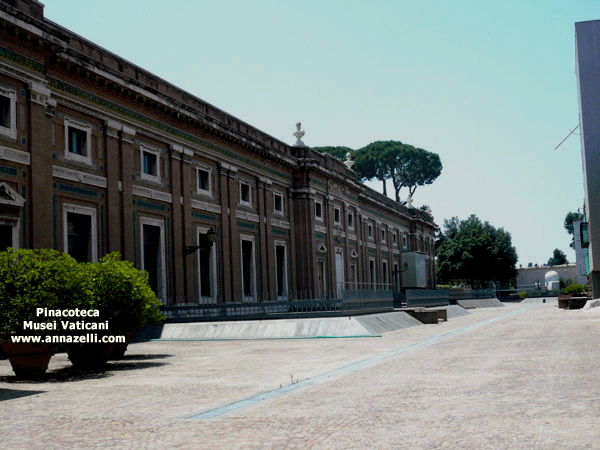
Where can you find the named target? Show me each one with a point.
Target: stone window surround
(84, 211)
(250, 238)
(161, 224)
(319, 217)
(281, 211)
(11, 94)
(155, 151)
(82, 126)
(248, 183)
(14, 223)
(213, 264)
(205, 168)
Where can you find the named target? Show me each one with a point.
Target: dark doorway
(152, 260)
(280, 267)
(79, 235)
(205, 266)
(247, 268)
(6, 237)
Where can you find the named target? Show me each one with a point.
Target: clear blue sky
(489, 86)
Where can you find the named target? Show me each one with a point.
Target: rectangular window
(79, 228)
(153, 254)
(245, 194)
(247, 269)
(77, 141)
(80, 233)
(384, 275)
(370, 231)
(78, 138)
(205, 267)
(150, 163)
(372, 273)
(281, 271)
(318, 210)
(278, 203)
(336, 215)
(6, 237)
(382, 235)
(5, 116)
(8, 111)
(203, 180)
(394, 238)
(404, 242)
(350, 220)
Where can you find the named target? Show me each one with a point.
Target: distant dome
(551, 276)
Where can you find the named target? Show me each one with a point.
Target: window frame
(144, 148)
(11, 95)
(87, 129)
(84, 211)
(247, 203)
(350, 221)
(319, 217)
(199, 190)
(281, 211)
(337, 215)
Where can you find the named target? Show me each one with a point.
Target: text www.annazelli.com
(88, 338)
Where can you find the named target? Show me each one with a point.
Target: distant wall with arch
(532, 277)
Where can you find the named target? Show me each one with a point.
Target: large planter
(572, 301)
(89, 356)
(119, 349)
(28, 361)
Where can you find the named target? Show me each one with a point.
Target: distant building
(587, 53)
(98, 155)
(546, 277)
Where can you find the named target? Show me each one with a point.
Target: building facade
(587, 55)
(98, 155)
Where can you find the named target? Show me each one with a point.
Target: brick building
(98, 155)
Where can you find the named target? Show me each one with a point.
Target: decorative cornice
(204, 206)
(152, 193)
(76, 175)
(13, 155)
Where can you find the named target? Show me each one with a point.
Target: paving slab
(519, 377)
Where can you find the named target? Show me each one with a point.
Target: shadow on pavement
(9, 394)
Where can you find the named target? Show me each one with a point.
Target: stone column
(113, 197)
(177, 230)
(40, 192)
(129, 234)
(229, 193)
(266, 245)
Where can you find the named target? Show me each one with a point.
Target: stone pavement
(520, 377)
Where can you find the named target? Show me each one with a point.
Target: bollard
(544, 301)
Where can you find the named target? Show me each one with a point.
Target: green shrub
(574, 288)
(43, 278)
(523, 295)
(121, 294)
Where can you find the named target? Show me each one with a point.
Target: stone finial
(409, 201)
(349, 163)
(298, 134)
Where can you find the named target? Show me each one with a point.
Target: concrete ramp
(385, 322)
(359, 326)
(480, 303)
(454, 311)
(592, 304)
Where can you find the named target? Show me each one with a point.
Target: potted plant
(124, 299)
(34, 284)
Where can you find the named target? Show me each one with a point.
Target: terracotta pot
(89, 356)
(119, 349)
(28, 360)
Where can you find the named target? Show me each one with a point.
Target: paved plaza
(522, 376)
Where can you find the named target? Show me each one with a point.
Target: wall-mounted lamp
(211, 237)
